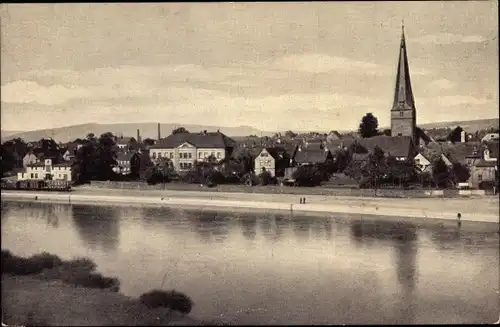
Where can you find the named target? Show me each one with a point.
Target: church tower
(403, 112)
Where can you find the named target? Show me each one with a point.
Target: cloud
(443, 84)
(456, 100)
(28, 92)
(448, 38)
(321, 63)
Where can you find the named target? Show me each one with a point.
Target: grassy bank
(323, 190)
(44, 290)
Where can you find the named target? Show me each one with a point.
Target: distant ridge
(70, 133)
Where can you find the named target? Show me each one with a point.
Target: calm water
(275, 269)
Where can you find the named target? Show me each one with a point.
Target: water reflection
(301, 227)
(403, 237)
(211, 226)
(98, 226)
(249, 226)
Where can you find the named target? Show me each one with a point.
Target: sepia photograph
(250, 163)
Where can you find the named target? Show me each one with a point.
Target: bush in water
(78, 272)
(12, 264)
(168, 299)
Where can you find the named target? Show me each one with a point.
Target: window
(159, 155)
(213, 154)
(401, 114)
(480, 177)
(206, 154)
(200, 154)
(190, 165)
(154, 155)
(171, 155)
(32, 176)
(36, 175)
(189, 155)
(218, 155)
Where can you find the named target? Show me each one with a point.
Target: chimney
(463, 137)
(159, 133)
(138, 136)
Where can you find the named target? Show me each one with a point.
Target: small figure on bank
(304, 201)
(300, 200)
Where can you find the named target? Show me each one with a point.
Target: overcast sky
(274, 66)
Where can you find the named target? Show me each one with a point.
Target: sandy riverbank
(472, 209)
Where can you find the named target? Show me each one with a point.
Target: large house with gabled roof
(183, 149)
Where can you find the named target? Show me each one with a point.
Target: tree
(386, 132)
(369, 126)
(455, 135)
(180, 130)
(401, 172)
(376, 168)
(265, 178)
(440, 174)
(307, 176)
(461, 173)
(148, 141)
(290, 134)
(95, 159)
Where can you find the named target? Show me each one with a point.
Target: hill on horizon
(147, 130)
(150, 130)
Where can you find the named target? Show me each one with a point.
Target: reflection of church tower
(403, 112)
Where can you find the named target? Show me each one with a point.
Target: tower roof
(403, 94)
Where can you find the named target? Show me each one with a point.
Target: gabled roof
(276, 152)
(397, 146)
(484, 163)
(200, 140)
(308, 155)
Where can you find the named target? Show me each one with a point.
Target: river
(245, 268)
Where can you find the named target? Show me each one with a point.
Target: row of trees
(379, 169)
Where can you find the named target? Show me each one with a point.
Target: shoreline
(27, 284)
(428, 209)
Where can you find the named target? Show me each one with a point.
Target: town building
(183, 149)
(490, 137)
(30, 158)
(311, 154)
(272, 159)
(46, 171)
(403, 112)
(126, 143)
(124, 162)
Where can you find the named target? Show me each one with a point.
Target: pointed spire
(403, 94)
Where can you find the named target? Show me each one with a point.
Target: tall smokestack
(138, 136)
(159, 133)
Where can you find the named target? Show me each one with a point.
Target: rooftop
(215, 140)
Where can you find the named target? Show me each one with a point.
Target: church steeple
(403, 112)
(403, 94)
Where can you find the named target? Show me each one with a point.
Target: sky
(274, 66)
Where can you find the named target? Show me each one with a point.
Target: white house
(46, 170)
(30, 158)
(183, 149)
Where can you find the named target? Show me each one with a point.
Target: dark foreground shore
(53, 299)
